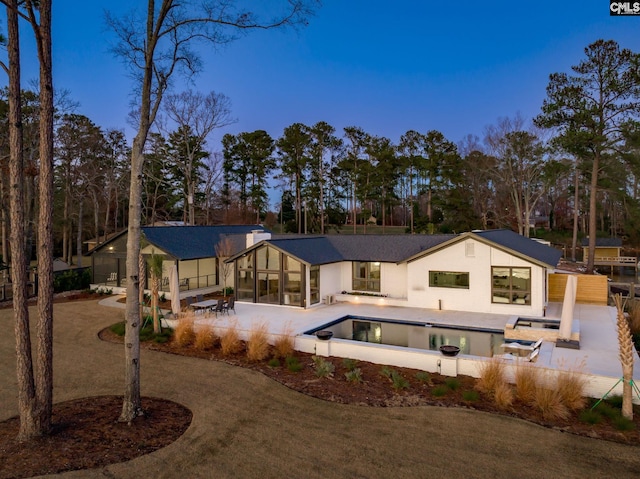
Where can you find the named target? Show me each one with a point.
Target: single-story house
(605, 247)
(192, 249)
(493, 271)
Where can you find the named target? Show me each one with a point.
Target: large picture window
(448, 279)
(511, 285)
(366, 276)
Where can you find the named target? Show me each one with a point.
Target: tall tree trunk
(24, 362)
(44, 358)
(79, 233)
(593, 213)
(576, 199)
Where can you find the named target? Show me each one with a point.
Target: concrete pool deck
(597, 356)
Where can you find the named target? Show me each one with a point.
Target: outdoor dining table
(206, 304)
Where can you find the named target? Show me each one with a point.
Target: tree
(35, 386)
(323, 141)
(247, 162)
(224, 249)
(520, 156)
(196, 116)
(154, 55)
(293, 150)
(589, 109)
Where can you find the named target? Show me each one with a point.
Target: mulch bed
(86, 434)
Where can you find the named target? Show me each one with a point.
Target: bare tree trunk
(44, 358)
(24, 363)
(576, 209)
(593, 213)
(79, 234)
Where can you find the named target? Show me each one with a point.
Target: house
(192, 249)
(494, 271)
(608, 253)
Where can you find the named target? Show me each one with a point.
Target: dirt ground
(247, 425)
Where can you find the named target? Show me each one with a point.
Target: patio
(597, 357)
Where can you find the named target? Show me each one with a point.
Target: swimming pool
(429, 336)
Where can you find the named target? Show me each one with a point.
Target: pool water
(474, 341)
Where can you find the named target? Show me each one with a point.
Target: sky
(385, 66)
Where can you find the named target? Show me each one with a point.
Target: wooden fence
(592, 289)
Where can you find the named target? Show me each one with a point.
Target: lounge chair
(522, 347)
(531, 357)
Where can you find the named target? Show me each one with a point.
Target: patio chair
(231, 305)
(199, 297)
(531, 357)
(522, 347)
(188, 301)
(219, 307)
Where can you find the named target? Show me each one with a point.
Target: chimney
(256, 236)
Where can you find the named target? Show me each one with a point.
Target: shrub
(549, 403)
(323, 367)
(349, 364)
(621, 423)
(274, 363)
(423, 377)
(387, 372)
(470, 395)
(491, 376)
(607, 410)
(293, 364)
(258, 344)
(399, 381)
(570, 385)
(634, 316)
(440, 390)
(283, 345)
(354, 375)
(230, 340)
(184, 334)
(503, 395)
(118, 328)
(590, 417)
(527, 379)
(205, 339)
(452, 383)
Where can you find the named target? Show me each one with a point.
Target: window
(366, 276)
(511, 285)
(314, 280)
(448, 279)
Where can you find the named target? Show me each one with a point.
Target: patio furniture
(199, 297)
(230, 305)
(522, 347)
(207, 305)
(531, 357)
(220, 307)
(188, 301)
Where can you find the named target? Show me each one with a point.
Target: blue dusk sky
(385, 66)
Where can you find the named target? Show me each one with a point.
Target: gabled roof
(604, 242)
(515, 243)
(192, 242)
(326, 249)
(508, 241)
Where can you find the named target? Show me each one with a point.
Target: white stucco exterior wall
(476, 258)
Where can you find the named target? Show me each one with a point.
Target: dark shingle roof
(334, 248)
(525, 246)
(605, 242)
(194, 242)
